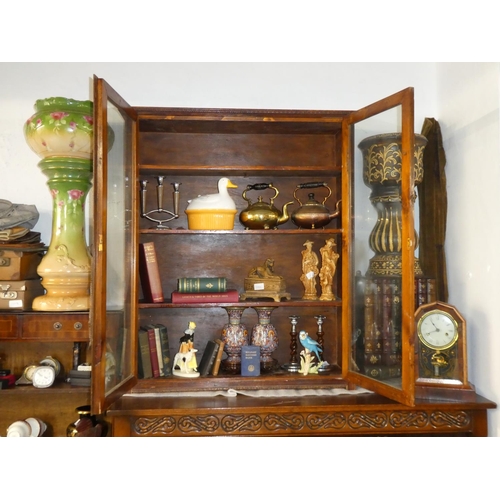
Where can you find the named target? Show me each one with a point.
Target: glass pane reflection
(118, 264)
(377, 242)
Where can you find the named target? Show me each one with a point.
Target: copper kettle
(262, 215)
(313, 214)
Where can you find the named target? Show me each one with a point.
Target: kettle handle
(312, 185)
(260, 187)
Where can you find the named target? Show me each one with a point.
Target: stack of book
(81, 377)
(211, 359)
(203, 290)
(154, 352)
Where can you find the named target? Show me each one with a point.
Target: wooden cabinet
(193, 148)
(25, 339)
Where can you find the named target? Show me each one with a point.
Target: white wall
(468, 113)
(467, 103)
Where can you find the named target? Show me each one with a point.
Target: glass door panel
(382, 245)
(114, 290)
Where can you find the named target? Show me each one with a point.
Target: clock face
(437, 330)
(43, 376)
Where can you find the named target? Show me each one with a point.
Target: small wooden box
(19, 295)
(19, 264)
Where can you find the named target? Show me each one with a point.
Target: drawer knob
(57, 325)
(77, 326)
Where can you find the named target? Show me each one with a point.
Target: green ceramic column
(61, 132)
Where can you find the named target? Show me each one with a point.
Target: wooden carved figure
(310, 271)
(329, 259)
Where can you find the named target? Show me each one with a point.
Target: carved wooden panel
(301, 423)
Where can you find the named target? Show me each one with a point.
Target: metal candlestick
(293, 365)
(159, 197)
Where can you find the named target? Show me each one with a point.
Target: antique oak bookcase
(194, 148)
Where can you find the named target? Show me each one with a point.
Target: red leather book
(150, 273)
(205, 297)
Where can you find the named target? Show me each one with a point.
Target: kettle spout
(285, 216)
(337, 210)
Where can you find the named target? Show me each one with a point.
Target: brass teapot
(261, 215)
(313, 214)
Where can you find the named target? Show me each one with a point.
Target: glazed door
(113, 305)
(381, 163)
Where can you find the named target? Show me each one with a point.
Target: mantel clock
(441, 354)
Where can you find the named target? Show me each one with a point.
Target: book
(218, 358)
(205, 297)
(197, 285)
(149, 273)
(165, 350)
(250, 360)
(208, 358)
(153, 353)
(144, 359)
(80, 382)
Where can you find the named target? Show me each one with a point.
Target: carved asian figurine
(263, 282)
(185, 364)
(329, 259)
(310, 271)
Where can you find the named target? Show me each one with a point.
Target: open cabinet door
(113, 313)
(382, 162)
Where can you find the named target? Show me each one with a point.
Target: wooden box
(19, 295)
(19, 264)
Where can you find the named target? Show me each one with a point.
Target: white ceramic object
(20, 428)
(38, 427)
(218, 201)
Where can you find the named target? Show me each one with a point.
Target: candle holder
(324, 367)
(171, 215)
(293, 366)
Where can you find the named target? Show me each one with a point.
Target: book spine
(201, 298)
(150, 273)
(158, 349)
(420, 292)
(165, 350)
(373, 344)
(153, 353)
(198, 285)
(431, 290)
(208, 358)
(218, 358)
(146, 370)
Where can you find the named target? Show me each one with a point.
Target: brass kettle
(261, 215)
(313, 214)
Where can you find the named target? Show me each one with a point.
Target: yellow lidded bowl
(211, 218)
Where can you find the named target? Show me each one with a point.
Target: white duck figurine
(220, 200)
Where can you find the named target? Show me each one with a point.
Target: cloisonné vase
(235, 335)
(61, 134)
(265, 336)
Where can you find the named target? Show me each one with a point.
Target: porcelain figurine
(185, 364)
(310, 357)
(221, 200)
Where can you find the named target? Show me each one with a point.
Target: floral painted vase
(235, 335)
(61, 134)
(265, 336)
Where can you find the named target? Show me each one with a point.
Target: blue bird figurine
(310, 344)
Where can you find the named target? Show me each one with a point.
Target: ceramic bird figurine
(220, 200)
(310, 344)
